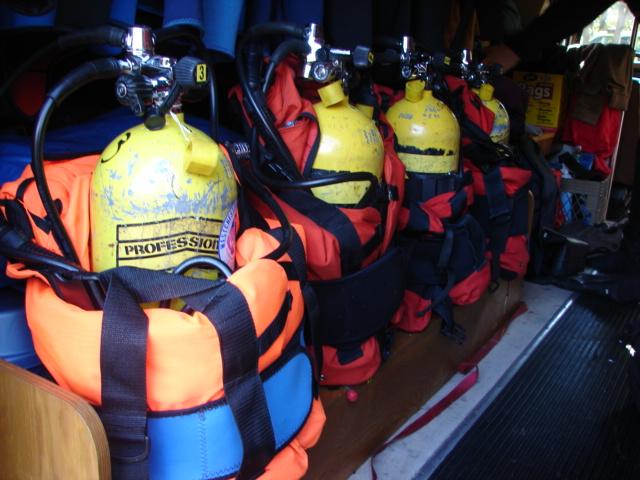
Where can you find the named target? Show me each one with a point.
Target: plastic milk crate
(584, 200)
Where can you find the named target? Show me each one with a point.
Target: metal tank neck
(139, 42)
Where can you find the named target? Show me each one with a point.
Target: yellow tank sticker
(167, 243)
(201, 73)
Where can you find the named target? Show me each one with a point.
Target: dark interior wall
(530, 9)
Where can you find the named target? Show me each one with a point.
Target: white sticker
(227, 241)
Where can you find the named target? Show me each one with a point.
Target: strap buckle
(128, 440)
(141, 457)
(454, 331)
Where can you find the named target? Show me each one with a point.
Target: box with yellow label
(545, 97)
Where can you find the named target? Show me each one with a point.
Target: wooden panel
(48, 432)
(419, 365)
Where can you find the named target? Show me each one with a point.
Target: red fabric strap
(468, 367)
(468, 364)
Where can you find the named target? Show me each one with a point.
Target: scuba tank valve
(427, 133)
(500, 130)
(349, 138)
(479, 76)
(272, 161)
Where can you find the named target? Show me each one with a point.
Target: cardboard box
(545, 97)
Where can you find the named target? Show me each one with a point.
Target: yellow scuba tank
(349, 142)
(161, 197)
(500, 130)
(427, 132)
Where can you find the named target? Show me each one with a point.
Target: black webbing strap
(123, 364)
(123, 368)
(520, 215)
(496, 194)
(349, 353)
(22, 188)
(374, 242)
(419, 220)
(229, 313)
(248, 215)
(358, 306)
(447, 249)
(443, 307)
(445, 277)
(422, 187)
(500, 214)
(276, 327)
(313, 152)
(297, 270)
(333, 220)
(17, 217)
(432, 276)
(458, 204)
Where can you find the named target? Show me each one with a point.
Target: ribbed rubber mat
(566, 414)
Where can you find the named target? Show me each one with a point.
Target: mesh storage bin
(584, 200)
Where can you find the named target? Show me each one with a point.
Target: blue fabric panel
(206, 443)
(221, 24)
(303, 12)
(16, 345)
(11, 19)
(300, 12)
(123, 12)
(183, 12)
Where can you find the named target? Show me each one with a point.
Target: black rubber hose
(324, 181)
(274, 28)
(263, 123)
(106, 35)
(386, 41)
(87, 73)
(203, 261)
(19, 248)
(213, 103)
(99, 36)
(280, 53)
(249, 179)
(176, 31)
(205, 54)
(16, 246)
(249, 80)
(386, 57)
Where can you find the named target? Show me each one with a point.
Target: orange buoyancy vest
(352, 263)
(227, 379)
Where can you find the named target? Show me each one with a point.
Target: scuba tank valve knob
(190, 73)
(362, 57)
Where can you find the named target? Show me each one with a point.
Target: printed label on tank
(227, 244)
(167, 243)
